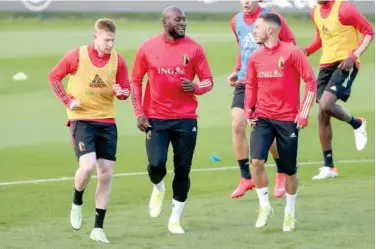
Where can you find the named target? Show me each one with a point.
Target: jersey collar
(273, 49)
(254, 14)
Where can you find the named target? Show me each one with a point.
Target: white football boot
(156, 202)
(97, 234)
(361, 135)
(325, 173)
(76, 216)
(263, 216)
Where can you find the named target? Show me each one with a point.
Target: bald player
(171, 60)
(338, 24)
(97, 75)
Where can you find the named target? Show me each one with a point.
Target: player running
(168, 114)
(337, 26)
(97, 74)
(242, 25)
(274, 112)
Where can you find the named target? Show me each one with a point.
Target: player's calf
(240, 143)
(157, 172)
(290, 171)
(180, 186)
(87, 164)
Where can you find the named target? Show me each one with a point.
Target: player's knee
(182, 171)
(88, 162)
(325, 106)
(239, 126)
(291, 171)
(288, 168)
(105, 176)
(157, 172)
(324, 117)
(157, 163)
(258, 164)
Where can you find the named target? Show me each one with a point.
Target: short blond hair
(105, 24)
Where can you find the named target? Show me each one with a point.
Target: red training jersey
(273, 83)
(349, 15)
(69, 65)
(166, 62)
(285, 34)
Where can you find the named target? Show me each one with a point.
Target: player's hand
(116, 88)
(301, 123)
(233, 79)
(347, 64)
(188, 86)
(143, 124)
(74, 104)
(251, 119)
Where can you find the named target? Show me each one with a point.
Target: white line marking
(218, 168)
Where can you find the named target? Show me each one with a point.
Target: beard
(174, 34)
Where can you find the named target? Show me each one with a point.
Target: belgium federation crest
(281, 62)
(185, 60)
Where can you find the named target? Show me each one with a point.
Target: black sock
(279, 170)
(77, 197)
(99, 217)
(244, 168)
(328, 158)
(355, 123)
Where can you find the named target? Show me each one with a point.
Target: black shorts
(238, 99)
(181, 133)
(287, 136)
(336, 81)
(89, 136)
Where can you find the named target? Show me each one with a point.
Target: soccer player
(274, 112)
(168, 114)
(242, 24)
(97, 74)
(337, 26)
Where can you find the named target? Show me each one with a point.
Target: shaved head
(170, 11)
(174, 22)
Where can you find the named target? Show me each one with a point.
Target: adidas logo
(97, 82)
(334, 88)
(248, 41)
(194, 129)
(293, 135)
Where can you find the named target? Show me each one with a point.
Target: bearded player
(242, 25)
(338, 24)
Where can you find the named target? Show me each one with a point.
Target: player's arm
(286, 34)
(237, 63)
(251, 89)
(203, 72)
(349, 15)
(316, 44)
(301, 64)
(67, 65)
(140, 68)
(122, 88)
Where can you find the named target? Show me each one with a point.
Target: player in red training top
(243, 24)
(337, 26)
(273, 109)
(168, 114)
(97, 74)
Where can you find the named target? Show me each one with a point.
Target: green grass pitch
(35, 144)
